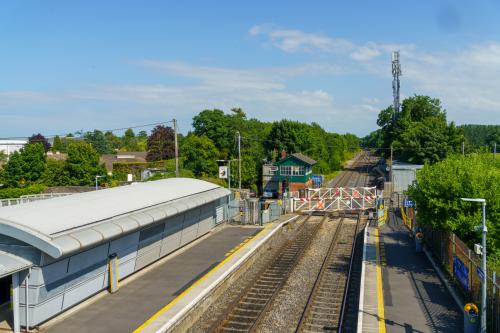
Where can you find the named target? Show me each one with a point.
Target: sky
(67, 66)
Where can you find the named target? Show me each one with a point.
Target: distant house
(56, 156)
(135, 156)
(10, 146)
(291, 173)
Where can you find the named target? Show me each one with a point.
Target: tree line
(421, 134)
(213, 138)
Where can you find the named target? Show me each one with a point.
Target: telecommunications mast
(396, 72)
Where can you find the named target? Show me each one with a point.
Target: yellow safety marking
(380, 292)
(175, 300)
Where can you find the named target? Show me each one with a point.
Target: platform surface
(138, 300)
(414, 298)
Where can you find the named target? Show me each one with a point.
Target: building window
(286, 170)
(298, 170)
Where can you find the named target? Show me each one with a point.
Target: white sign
(223, 172)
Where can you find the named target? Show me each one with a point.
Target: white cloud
(24, 97)
(290, 40)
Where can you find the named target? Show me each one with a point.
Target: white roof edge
(12, 263)
(31, 237)
(210, 195)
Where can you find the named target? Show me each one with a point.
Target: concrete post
(15, 302)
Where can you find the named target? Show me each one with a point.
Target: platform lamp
(485, 274)
(96, 184)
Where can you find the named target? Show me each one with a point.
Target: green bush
(8, 193)
(440, 187)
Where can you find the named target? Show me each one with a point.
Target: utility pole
(396, 73)
(176, 149)
(495, 150)
(229, 175)
(239, 159)
(463, 148)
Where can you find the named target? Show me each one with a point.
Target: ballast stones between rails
(248, 310)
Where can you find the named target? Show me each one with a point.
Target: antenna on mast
(396, 73)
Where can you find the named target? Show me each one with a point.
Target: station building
(58, 252)
(291, 173)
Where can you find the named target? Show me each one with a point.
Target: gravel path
(284, 314)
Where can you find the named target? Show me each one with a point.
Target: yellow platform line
(175, 300)
(380, 291)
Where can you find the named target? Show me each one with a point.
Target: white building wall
(11, 146)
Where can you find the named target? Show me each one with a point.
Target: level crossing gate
(335, 199)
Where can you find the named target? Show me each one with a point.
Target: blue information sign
(461, 272)
(409, 203)
(317, 180)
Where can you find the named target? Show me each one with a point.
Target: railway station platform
(157, 297)
(400, 290)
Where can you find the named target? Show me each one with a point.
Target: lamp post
(96, 185)
(485, 274)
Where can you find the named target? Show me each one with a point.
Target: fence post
(454, 252)
(470, 271)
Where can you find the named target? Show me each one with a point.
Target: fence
(251, 211)
(463, 266)
(29, 198)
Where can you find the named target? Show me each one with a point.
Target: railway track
(246, 312)
(325, 307)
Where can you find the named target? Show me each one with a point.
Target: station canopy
(63, 225)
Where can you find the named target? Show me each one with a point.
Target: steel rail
(308, 318)
(246, 311)
(348, 280)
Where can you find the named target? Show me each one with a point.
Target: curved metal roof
(64, 225)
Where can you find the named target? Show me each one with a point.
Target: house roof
(133, 156)
(300, 157)
(63, 225)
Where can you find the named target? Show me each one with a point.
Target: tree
(215, 125)
(38, 138)
(420, 133)
(112, 140)
(55, 174)
(161, 145)
(98, 142)
(82, 164)
(440, 187)
(130, 141)
(200, 155)
(58, 145)
(25, 166)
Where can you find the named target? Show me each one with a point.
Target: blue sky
(72, 65)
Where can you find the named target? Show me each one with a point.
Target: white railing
(30, 198)
(340, 198)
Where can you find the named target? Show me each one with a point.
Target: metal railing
(448, 248)
(30, 198)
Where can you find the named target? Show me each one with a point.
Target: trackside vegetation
(441, 185)
(213, 137)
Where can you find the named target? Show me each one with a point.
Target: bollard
(419, 241)
(471, 318)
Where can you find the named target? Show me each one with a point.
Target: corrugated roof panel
(170, 210)
(10, 263)
(126, 223)
(157, 213)
(142, 218)
(108, 230)
(87, 237)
